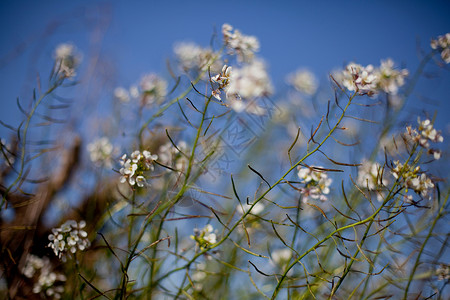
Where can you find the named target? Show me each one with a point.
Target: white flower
(257, 209)
(199, 273)
(244, 46)
(413, 179)
(443, 272)
(205, 237)
(67, 59)
(369, 80)
(193, 57)
(371, 176)
(249, 82)
(358, 78)
(425, 134)
(121, 94)
(303, 81)
(442, 43)
(33, 264)
(223, 80)
(140, 181)
(153, 89)
(281, 256)
(210, 238)
(316, 183)
(68, 238)
(243, 85)
(134, 168)
(101, 151)
(128, 170)
(170, 156)
(390, 79)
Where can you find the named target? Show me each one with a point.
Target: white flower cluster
(67, 59)
(199, 275)
(389, 78)
(281, 256)
(303, 81)
(443, 272)
(193, 57)
(223, 81)
(412, 178)
(205, 237)
(369, 80)
(317, 184)
(153, 89)
(170, 156)
(68, 239)
(257, 209)
(134, 168)
(244, 46)
(424, 135)
(371, 177)
(249, 82)
(124, 95)
(49, 284)
(101, 151)
(355, 77)
(442, 43)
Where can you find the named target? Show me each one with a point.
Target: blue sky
(131, 38)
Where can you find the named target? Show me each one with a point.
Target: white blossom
(47, 283)
(244, 46)
(68, 238)
(355, 77)
(281, 256)
(442, 43)
(390, 79)
(371, 176)
(121, 94)
(425, 134)
(412, 178)
(169, 155)
(251, 81)
(153, 89)
(257, 209)
(303, 81)
(223, 80)
(67, 59)
(443, 272)
(193, 57)
(370, 80)
(101, 151)
(243, 85)
(316, 183)
(204, 237)
(133, 169)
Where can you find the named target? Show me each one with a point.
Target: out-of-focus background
(121, 41)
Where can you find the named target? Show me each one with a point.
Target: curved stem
(416, 264)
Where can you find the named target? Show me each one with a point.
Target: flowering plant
(277, 189)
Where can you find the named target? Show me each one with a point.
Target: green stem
(24, 140)
(416, 264)
(244, 215)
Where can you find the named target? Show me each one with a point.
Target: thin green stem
(282, 178)
(416, 264)
(24, 140)
(386, 200)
